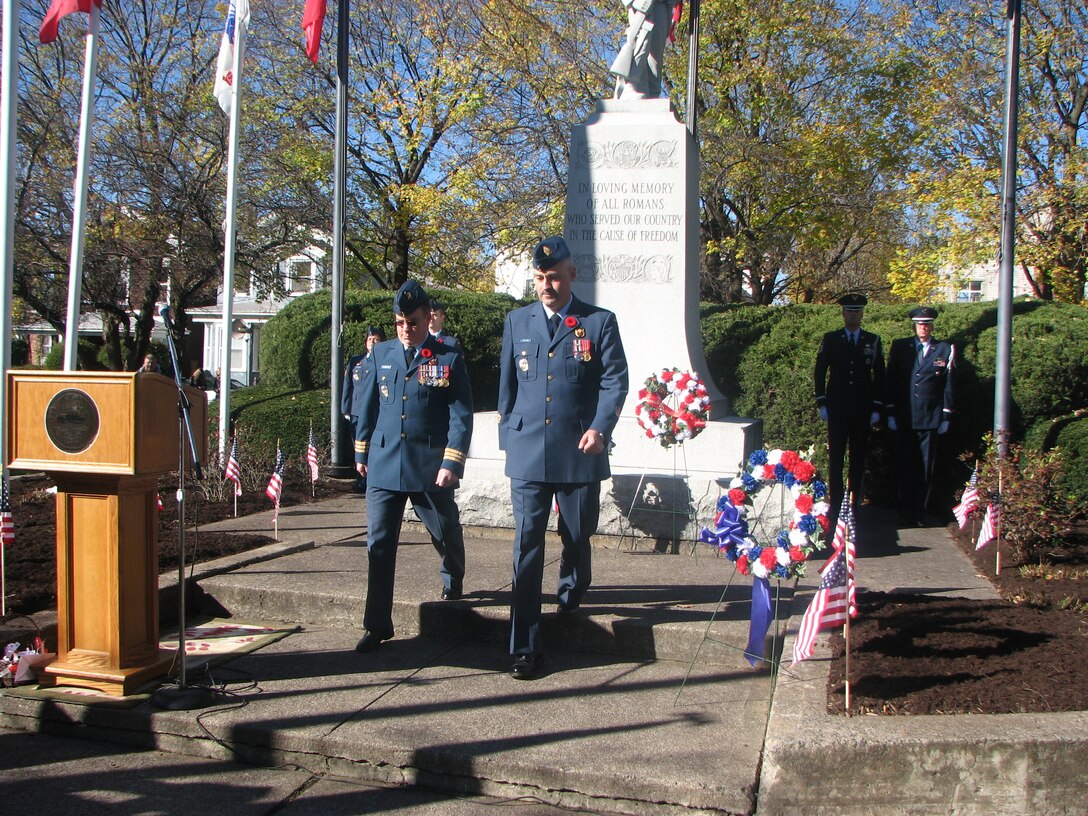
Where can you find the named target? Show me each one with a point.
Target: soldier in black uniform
(849, 396)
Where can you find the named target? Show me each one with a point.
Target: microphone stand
(181, 697)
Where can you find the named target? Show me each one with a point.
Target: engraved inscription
(628, 154)
(71, 420)
(624, 268)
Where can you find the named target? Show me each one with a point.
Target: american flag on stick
(968, 501)
(311, 455)
(989, 524)
(836, 597)
(7, 522)
(234, 470)
(275, 484)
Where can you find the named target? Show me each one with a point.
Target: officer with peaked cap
(562, 383)
(919, 405)
(849, 380)
(411, 437)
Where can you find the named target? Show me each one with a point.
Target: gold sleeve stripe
(361, 447)
(454, 456)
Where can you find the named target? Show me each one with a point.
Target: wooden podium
(105, 437)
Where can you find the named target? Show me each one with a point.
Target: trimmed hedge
(295, 343)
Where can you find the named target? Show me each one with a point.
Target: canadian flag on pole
(313, 17)
(59, 9)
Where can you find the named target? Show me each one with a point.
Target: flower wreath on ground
(673, 407)
(784, 557)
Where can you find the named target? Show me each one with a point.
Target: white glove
(874, 417)
(891, 423)
(823, 413)
(943, 427)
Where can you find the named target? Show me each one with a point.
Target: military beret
(550, 252)
(853, 302)
(410, 297)
(923, 314)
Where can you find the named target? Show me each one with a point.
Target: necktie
(409, 355)
(553, 324)
(921, 352)
(853, 340)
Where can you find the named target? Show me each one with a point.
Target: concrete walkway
(646, 704)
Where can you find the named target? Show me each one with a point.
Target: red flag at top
(313, 16)
(58, 9)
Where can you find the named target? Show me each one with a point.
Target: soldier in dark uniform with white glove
(919, 405)
(412, 434)
(849, 380)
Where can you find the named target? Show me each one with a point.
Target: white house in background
(980, 283)
(299, 275)
(514, 275)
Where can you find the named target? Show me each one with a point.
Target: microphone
(164, 313)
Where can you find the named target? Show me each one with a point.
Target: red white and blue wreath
(673, 407)
(785, 556)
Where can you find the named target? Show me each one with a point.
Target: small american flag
(7, 523)
(989, 524)
(311, 455)
(836, 597)
(158, 501)
(275, 484)
(234, 470)
(968, 501)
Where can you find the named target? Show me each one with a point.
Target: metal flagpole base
(185, 698)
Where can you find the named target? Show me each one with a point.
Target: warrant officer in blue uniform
(354, 373)
(412, 433)
(849, 380)
(919, 405)
(438, 322)
(562, 383)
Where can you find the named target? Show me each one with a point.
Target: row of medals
(434, 374)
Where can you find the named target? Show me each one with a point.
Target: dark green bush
(20, 352)
(86, 356)
(295, 343)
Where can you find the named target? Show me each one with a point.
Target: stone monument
(632, 223)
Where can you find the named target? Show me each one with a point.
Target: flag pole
(276, 511)
(846, 624)
(230, 232)
(9, 116)
(997, 528)
(79, 206)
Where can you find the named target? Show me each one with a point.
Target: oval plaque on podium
(71, 420)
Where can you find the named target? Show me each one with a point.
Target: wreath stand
(674, 511)
(774, 660)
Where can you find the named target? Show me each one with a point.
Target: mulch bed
(913, 654)
(31, 562)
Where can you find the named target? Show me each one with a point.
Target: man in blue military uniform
(354, 373)
(849, 381)
(412, 433)
(562, 383)
(438, 322)
(919, 406)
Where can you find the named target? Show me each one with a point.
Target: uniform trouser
(384, 511)
(916, 451)
(579, 509)
(844, 432)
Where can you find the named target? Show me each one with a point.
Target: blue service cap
(410, 297)
(549, 252)
(853, 302)
(923, 314)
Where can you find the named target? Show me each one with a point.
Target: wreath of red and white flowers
(673, 407)
(785, 556)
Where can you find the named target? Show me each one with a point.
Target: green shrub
(295, 343)
(86, 356)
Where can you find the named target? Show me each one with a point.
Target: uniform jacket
(855, 385)
(919, 394)
(447, 339)
(347, 391)
(406, 430)
(550, 395)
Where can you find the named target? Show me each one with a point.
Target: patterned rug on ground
(209, 643)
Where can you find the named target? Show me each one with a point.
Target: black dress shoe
(526, 666)
(372, 640)
(451, 594)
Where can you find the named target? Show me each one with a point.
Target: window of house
(970, 293)
(299, 276)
